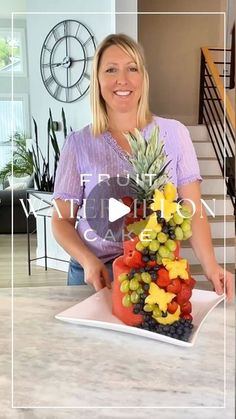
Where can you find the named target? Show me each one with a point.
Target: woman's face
(120, 80)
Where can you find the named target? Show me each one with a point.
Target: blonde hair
(98, 106)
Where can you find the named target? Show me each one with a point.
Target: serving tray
(96, 311)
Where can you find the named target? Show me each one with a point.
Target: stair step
(219, 204)
(218, 229)
(204, 149)
(213, 185)
(218, 244)
(197, 271)
(198, 132)
(209, 166)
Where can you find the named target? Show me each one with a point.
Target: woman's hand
(219, 277)
(96, 274)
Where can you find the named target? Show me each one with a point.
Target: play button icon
(116, 210)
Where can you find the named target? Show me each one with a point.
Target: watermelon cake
(152, 285)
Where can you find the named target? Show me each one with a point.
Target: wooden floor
(39, 277)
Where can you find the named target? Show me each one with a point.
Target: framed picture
(12, 52)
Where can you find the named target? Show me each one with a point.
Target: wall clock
(65, 60)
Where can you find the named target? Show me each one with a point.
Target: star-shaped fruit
(170, 318)
(167, 207)
(176, 268)
(159, 296)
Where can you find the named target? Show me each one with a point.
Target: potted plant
(43, 174)
(22, 163)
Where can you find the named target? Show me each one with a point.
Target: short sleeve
(187, 164)
(67, 183)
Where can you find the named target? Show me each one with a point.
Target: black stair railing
(216, 112)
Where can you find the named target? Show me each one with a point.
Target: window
(12, 52)
(20, 123)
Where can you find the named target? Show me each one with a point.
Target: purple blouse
(82, 153)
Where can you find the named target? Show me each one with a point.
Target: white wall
(127, 23)
(38, 26)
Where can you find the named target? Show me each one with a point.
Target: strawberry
(175, 286)
(184, 294)
(151, 263)
(127, 200)
(172, 307)
(186, 307)
(190, 282)
(134, 259)
(163, 282)
(186, 316)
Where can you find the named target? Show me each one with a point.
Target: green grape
(137, 276)
(146, 277)
(163, 252)
(139, 290)
(126, 301)
(156, 311)
(179, 235)
(177, 218)
(152, 235)
(139, 246)
(187, 235)
(162, 237)
(186, 226)
(145, 243)
(171, 245)
(154, 245)
(124, 286)
(123, 277)
(148, 308)
(171, 256)
(133, 284)
(171, 223)
(158, 259)
(134, 297)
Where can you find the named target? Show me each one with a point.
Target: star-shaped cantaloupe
(159, 296)
(176, 268)
(170, 318)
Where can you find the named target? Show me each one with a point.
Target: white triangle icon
(117, 209)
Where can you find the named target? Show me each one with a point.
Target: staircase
(212, 187)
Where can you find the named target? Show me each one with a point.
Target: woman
(119, 102)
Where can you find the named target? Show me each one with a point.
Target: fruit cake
(152, 284)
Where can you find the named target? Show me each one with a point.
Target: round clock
(65, 60)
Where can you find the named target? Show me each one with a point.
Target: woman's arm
(67, 236)
(201, 242)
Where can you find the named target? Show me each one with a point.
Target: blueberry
(147, 268)
(141, 270)
(172, 329)
(175, 336)
(136, 310)
(145, 251)
(165, 229)
(179, 331)
(153, 257)
(146, 287)
(166, 328)
(172, 236)
(156, 268)
(145, 258)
